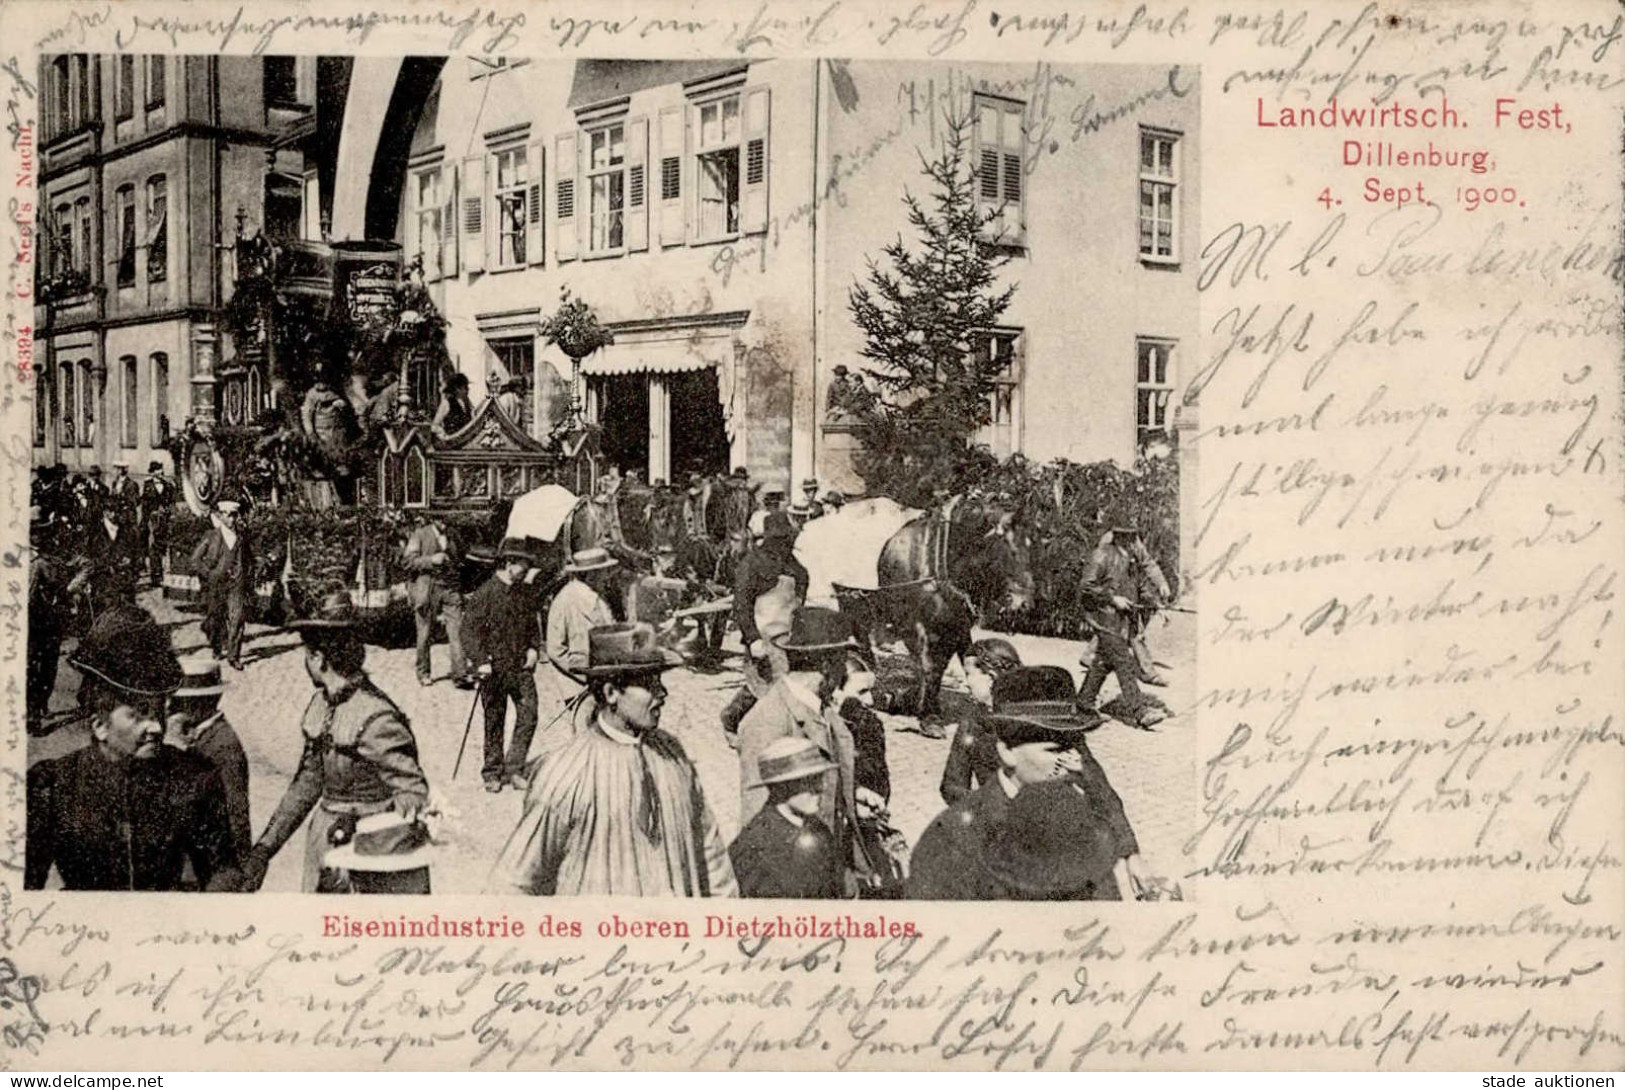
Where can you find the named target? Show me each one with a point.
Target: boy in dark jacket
(785, 850)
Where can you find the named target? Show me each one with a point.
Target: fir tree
(925, 314)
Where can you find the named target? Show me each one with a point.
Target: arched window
(160, 399)
(256, 394)
(157, 229)
(393, 481)
(124, 225)
(87, 403)
(129, 402)
(70, 407)
(43, 391)
(417, 478)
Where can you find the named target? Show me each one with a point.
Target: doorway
(663, 425)
(622, 409)
(699, 436)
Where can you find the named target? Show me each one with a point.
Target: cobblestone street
(1153, 772)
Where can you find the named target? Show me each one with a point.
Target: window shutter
(1014, 188)
(534, 157)
(449, 233)
(472, 227)
(686, 175)
(671, 176)
(565, 241)
(637, 184)
(753, 170)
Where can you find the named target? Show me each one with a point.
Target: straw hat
(785, 759)
(594, 559)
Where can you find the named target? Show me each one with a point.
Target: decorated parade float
(324, 431)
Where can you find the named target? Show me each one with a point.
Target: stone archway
(381, 110)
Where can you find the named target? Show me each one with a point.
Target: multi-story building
(149, 166)
(715, 215)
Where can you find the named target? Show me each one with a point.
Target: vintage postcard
(844, 534)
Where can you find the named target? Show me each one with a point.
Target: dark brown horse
(937, 575)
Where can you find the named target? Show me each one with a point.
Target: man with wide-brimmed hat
(580, 605)
(224, 563)
(770, 584)
(197, 724)
(432, 555)
(360, 756)
(503, 642)
(786, 850)
(157, 511)
(1122, 587)
(619, 810)
(127, 812)
(1038, 732)
(800, 704)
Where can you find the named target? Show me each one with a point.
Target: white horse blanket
(844, 546)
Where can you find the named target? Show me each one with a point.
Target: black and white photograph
(632, 477)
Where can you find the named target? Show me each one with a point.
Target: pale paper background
(1419, 873)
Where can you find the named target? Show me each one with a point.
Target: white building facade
(716, 214)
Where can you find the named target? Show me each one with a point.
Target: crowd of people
(612, 803)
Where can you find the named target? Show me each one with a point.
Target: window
(717, 163)
(427, 214)
(65, 258)
(256, 393)
(70, 407)
(1159, 178)
(160, 399)
(284, 206)
(82, 245)
(417, 478)
(1153, 388)
(606, 189)
(87, 405)
(157, 229)
(130, 385)
(1001, 359)
(511, 185)
(281, 81)
(124, 88)
(156, 71)
(124, 209)
(1000, 169)
(518, 359)
(61, 94)
(42, 406)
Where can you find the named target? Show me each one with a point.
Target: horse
(935, 576)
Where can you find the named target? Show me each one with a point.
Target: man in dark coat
(433, 557)
(197, 724)
(224, 563)
(157, 509)
(1037, 729)
(124, 490)
(127, 812)
(48, 604)
(503, 641)
(786, 850)
(1121, 586)
(770, 584)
